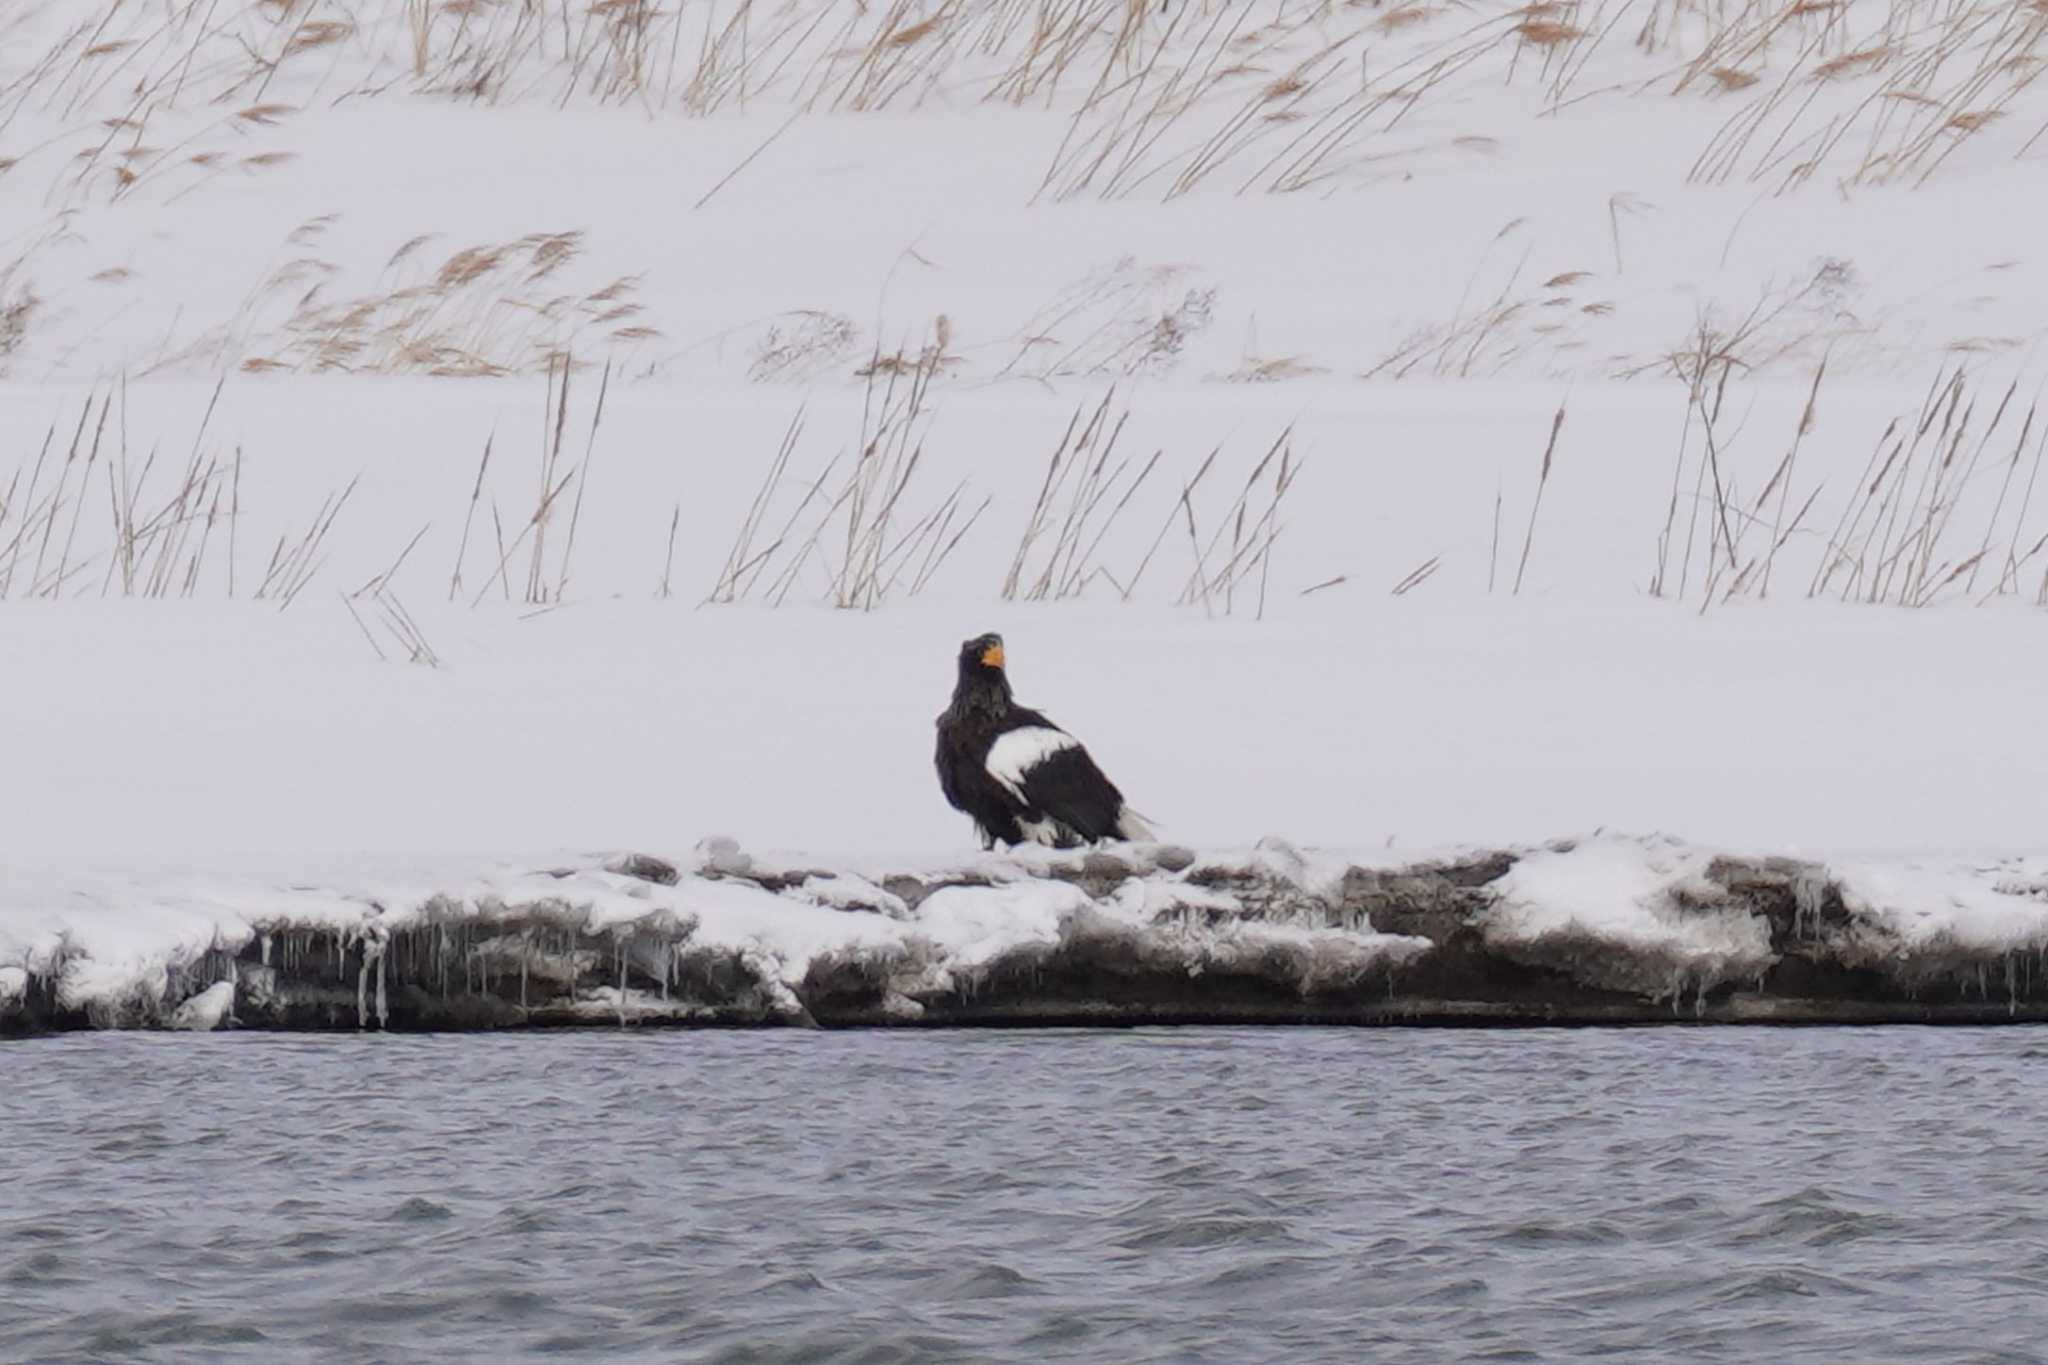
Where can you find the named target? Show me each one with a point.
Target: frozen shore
(1602, 930)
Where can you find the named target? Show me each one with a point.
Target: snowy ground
(1394, 240)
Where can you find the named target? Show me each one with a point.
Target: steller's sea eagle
(1021, 778)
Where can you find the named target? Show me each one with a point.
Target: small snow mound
(208, 1010)
(845, 891)
(722, 854)
(2000, 908)
(1633, 914)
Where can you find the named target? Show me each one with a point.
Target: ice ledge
(1607, 929)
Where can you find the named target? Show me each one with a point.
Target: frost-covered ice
(1270, 931)
(130, 946)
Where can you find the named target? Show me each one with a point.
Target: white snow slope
(274, 278)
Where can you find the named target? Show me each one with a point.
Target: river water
(1194, 1195)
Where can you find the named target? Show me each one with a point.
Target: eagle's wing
(1048, 771)
(946, 758)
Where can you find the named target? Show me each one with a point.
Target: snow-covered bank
(1607, 929)
(437, 432)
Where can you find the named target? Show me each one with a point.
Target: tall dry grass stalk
(1079, 480)
(545, 581)
(1119, 322)
(844, 529)
(1536, 502)
(99, 519)
(390, 613)
(18, 307)
(1943, 500)
(867, 544)
(1241, 545)
(1163, 100)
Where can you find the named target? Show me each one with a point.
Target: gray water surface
(1197, 1195)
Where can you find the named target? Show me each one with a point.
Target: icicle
(383, 1012)
(1808, 890)
(362, 993)
(264, 940)
(619, 949)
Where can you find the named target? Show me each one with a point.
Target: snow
(1621, 890)
(1451, 643)
(972, 927)
(107, 958)
(207, 1010)
(1630, 913)
(1993, 908)
(1625, 894)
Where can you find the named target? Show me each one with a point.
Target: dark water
(1222, 1196)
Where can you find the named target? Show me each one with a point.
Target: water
(1200, 1195)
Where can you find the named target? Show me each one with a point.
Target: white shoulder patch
(1017, 752)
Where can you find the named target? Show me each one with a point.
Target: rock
(648, 868)
(1107, 866)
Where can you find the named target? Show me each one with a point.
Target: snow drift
(1607, 929)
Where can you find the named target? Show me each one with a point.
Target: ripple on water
(991, 1280)
(419, 1209)
(1557, 1232)
(1781, 1282)
(1813, 1216)
(1218, 1230)
(1186, 1196)
(46, 1267)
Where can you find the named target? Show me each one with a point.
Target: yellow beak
(992, 657)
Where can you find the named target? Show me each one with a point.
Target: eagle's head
(982, 657)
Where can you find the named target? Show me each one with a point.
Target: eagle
(1019, 777)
